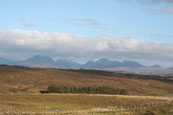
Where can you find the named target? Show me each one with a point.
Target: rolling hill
(36, 79)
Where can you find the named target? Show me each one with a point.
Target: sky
(82, 30)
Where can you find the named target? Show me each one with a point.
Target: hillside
(36, 79)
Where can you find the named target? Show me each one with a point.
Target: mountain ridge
(46, 60)
(125, 66)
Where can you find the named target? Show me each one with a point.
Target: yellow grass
(80, 103)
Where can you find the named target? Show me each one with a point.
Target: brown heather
(36, 79)
(27, 99)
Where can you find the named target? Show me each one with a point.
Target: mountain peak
(41, 59)
(103, 60)
(127, 63)
(156, 66)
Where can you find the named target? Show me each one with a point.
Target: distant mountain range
(105, 63)
(46, 61)
(102, 64)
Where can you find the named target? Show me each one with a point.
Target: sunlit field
(23, 103)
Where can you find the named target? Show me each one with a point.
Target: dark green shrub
(149, 112)
(86, 90)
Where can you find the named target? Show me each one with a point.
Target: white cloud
(21, 44)
(151, 10)
(151, 1)
(90, 22)
(168, 10)
(25, 23)
(163, 6)
(164, 10)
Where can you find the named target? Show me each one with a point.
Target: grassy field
(83, 104)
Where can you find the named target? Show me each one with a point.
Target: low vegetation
(83, 104)
(86, 90)
(82, 92)
(38, 79)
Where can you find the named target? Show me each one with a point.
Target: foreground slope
(36, 79)
(83, 104)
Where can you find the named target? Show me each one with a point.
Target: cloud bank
(20, 44)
